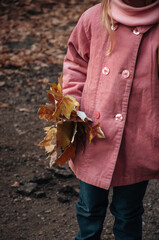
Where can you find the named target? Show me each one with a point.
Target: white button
(136, 32)
(114, 27)
(105, 71)
(119, 117)
(125, 74)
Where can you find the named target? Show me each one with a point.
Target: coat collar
(132, 16)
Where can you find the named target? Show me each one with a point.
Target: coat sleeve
(76, 61)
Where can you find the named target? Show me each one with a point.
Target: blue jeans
(126, 206)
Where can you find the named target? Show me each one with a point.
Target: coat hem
(106, 183)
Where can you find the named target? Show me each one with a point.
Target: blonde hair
(107, 20)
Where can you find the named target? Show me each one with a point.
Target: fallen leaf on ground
(5, 105)
(25, 110)
(15, 184)
(2, 84)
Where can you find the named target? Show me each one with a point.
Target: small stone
(62, 172)
(69, 191)
(63, 199)
(42, 179)
(41, 232)
(27, 199)
(39, 194)
(48, 211)
(27, 188)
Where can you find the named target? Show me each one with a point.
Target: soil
(36, 202)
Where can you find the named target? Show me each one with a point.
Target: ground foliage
(36, 31)
(37, 203)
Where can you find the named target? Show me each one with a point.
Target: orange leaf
(68, 154)
(56, 90)
(5, 105)
(51, 98)
(46, 112)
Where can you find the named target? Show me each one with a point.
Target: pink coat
(121, 91)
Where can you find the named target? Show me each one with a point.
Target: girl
(111, 69)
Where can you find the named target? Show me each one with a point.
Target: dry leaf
(15, 184)
(94, 131)
(44, 81)
(46, 112)
(65, 133)
(49, 141)
(65, 106)
(53, 158)
(5, 105)
(68, 154)
(22, 133)
(71, 126)
(2, 84)
(25, 110)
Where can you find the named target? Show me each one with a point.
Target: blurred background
(36, 202)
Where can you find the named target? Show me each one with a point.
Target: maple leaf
(64, 105)
(46, 112)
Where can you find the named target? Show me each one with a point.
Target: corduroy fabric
(121, 91)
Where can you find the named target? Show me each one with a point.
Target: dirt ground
(36, 202)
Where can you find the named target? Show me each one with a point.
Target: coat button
(136, 32)
(119, 117)
(114, 27)
(125, 74)
(97, 115)
(105, 70)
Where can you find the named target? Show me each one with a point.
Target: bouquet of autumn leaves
(71, 128)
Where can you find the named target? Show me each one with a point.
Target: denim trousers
(126, 207)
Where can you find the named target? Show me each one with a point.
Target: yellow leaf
(69, 105)
(65, 133)
(56, 90)
(65, 106)
(49, 141)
